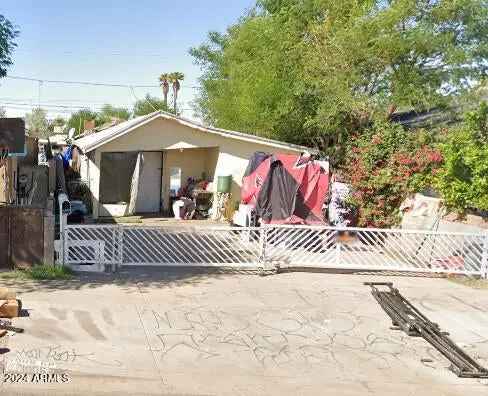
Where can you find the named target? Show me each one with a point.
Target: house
(173, 149)
(426, 119)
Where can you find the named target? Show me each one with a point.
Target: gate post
(63, 235)
(484, 257)
(262, 247)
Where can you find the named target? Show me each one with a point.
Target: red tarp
(286, 188)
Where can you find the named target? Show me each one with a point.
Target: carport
(138, 165)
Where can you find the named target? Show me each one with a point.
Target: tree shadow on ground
(140, 279)
(129, 279)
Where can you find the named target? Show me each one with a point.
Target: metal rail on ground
(408, 318)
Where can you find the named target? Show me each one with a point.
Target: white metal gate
(284, 246)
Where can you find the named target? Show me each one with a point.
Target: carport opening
(116, 172)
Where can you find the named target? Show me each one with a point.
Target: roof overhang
(119, 130)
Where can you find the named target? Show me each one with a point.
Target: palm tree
(175, 79)
(163, 81)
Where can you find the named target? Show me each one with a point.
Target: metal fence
(277, 246)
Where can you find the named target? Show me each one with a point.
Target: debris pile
(9, 308)
(9, 305)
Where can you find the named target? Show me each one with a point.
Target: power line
(78, 82)
(145, 98)
(61, 102)
(47, 105)
(32, 103)
(64, 108)
(98, 54)
(58, 100)
(90, 83)
(60, 111)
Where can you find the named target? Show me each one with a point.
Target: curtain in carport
(135, 183)
(117, 170)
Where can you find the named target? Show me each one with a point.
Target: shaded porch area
(147, 182)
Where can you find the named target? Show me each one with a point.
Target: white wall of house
(194, 150)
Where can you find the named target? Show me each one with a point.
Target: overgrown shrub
(385, 163)
(40, 272)
(463, 180)
(49, 272)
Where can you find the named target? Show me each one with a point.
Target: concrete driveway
(191, 332)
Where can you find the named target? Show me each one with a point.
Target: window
(174, 181)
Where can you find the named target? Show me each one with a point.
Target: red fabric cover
(300, 202)
(252, 183)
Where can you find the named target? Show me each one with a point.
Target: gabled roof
(91, 142)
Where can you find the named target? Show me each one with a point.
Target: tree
(8, 33)
(164, 82)
(149, 105)
(175, 78)
(313, 71)
(3, 112)
(109, 112)
(57, 122)
(463, 180)
(77, 120)
(36, 123)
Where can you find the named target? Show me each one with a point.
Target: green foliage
(49, 272)
(40, 272)
(149, 105)
(109, 112)
(251, 78)
(8, 33)
(175, 78)
(463, 180)
(312, 71)
(58, 121)
(385, 164)
(36, 123)
(77, 120)
(164, 82)
(105, 115)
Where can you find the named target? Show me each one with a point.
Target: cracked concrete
(171, 332)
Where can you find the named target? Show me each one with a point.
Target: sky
(116, 42)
